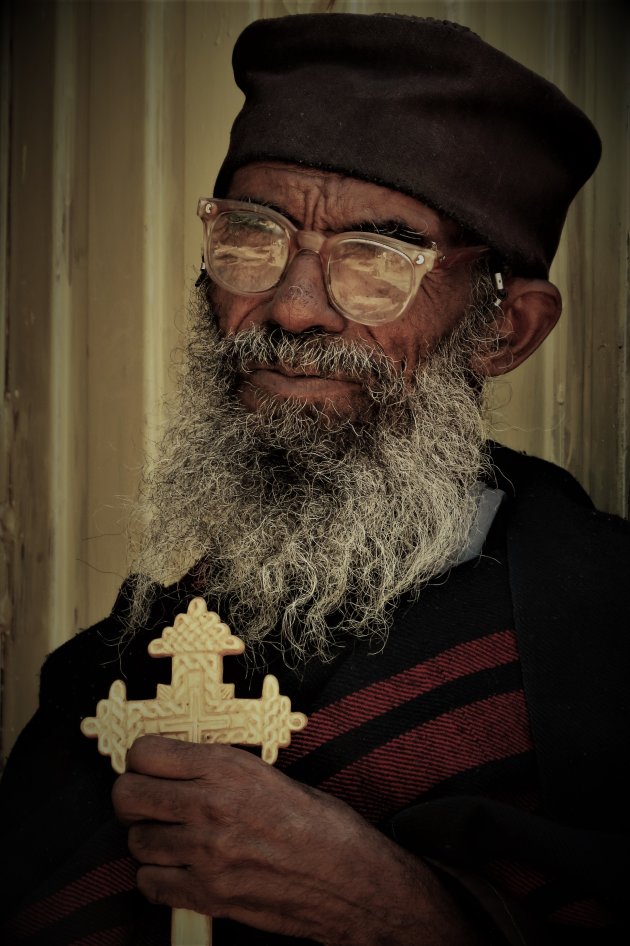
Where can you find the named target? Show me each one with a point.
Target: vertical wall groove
(7, 523)
(27, 382)
(62, 481)
(155, 197)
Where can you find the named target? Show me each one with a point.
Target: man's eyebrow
(397, 229)
(249, 199)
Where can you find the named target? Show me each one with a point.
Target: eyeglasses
(369, 278)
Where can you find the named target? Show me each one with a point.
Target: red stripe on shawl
(395, 774)
(104, 881)
(369, 702)
(519, 879)
(117, 936)
(589, 914)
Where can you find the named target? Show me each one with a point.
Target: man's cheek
(234, 313)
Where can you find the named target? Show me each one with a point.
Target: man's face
(328, 203)
(316, 469)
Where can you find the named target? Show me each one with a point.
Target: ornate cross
(197, 707)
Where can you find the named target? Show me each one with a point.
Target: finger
(164, 757)
(212, 894)
(173, 758)
(144, 798)
(165, 845)
(170, 886)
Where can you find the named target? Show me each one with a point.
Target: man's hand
(218, 831)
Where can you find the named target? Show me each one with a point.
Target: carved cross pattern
(196, 707)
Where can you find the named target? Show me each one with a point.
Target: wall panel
(26, 534)
(115, 268)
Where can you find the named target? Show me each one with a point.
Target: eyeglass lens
(248, 251)
(369, 282)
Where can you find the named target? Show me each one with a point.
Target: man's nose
(301, 302)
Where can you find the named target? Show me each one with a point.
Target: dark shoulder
(541, 492)
(568, 562)
(79, 673)
(568, 567)
(520, 474)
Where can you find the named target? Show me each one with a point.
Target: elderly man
(445, 611)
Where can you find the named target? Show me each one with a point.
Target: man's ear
(525, 317)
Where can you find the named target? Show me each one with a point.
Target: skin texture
(330, 203)
(214, 829)
(218, 831)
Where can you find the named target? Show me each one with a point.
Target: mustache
(312, 352)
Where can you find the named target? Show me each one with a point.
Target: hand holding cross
(197, 707)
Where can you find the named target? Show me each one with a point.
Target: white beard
(307, 530)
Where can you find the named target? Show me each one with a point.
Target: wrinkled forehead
(330, 202)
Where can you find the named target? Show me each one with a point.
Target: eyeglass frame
(423, 259)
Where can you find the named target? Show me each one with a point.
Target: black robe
(555, 571)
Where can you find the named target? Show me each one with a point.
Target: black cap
(422, 106)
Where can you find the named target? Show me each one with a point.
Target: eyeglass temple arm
(203, 272)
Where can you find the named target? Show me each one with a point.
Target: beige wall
(114, 118)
